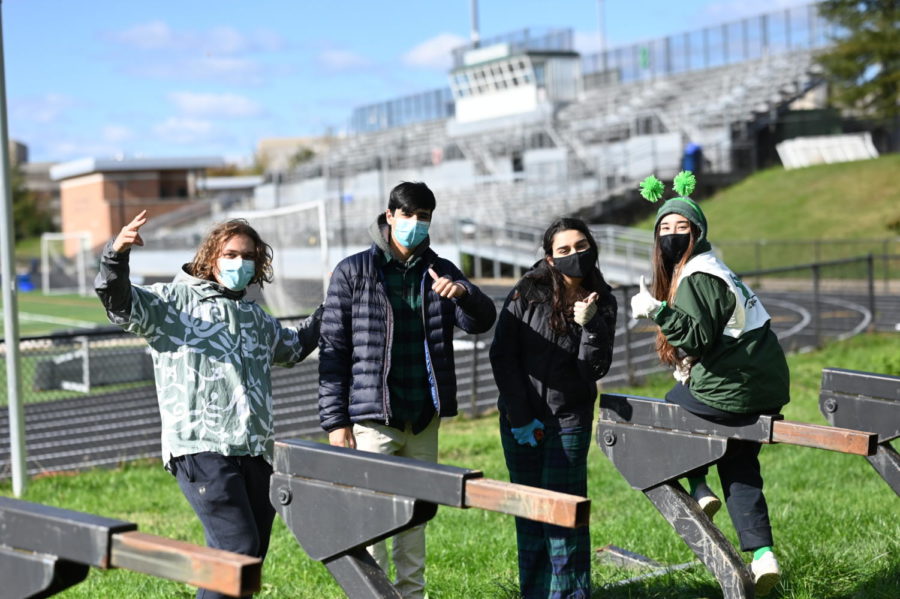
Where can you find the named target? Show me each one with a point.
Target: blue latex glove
(528, 435)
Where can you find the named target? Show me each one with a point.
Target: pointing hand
(130, 235)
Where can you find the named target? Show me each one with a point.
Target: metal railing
(768, 34)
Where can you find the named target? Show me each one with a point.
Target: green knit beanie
(652, 190)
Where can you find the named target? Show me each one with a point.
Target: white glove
(682, 372)
(584, 311)
(643, 304)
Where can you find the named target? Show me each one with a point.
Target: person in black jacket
(386, 370)
(554, 340)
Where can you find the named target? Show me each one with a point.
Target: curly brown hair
(203, 266)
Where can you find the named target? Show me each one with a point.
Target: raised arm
(112, 284)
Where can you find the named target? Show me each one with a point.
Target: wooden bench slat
(541, 505)
(843, 440)
(221, 571)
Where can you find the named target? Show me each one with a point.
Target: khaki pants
(409, 545)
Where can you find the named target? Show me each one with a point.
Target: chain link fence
(91, 400)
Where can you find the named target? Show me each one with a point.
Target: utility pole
(10, 305)
(475, 36)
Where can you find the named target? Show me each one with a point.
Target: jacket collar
(205, 288)
(380, 232)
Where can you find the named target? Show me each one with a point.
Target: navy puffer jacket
(356, 334)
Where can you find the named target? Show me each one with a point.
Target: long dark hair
(203, 266)
(663, 288)
(547, 276)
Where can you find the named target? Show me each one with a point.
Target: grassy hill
(856, 202)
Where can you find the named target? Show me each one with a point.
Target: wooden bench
(44, 550)
(337, 501)
(653, 443)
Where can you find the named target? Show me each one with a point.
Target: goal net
(65, 260)
(299, 243)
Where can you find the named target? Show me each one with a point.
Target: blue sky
(200, 77)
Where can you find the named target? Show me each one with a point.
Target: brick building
(101, 196)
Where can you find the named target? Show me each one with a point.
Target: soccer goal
(299, 240)
(64, 263)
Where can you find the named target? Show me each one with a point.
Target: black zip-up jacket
(357, 331)
(544, 375)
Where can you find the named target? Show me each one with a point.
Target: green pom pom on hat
(684, 184)
(652, 189)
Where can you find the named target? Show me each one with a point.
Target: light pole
(10, 303)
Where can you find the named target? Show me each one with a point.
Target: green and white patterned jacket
(212, 354)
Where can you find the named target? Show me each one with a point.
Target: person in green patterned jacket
(728, 363)
(212, 354)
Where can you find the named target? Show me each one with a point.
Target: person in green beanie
(729, 366)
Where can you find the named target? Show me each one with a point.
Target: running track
(102, 430)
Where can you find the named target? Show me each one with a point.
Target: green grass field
(41, 314)
(835, 520)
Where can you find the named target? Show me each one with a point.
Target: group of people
(387, 374)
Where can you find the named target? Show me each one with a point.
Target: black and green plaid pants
(554, 562)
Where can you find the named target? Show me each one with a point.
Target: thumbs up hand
(444, 287)
(643, 304)
(585, 309)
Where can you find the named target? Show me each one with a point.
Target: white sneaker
(707, 500)
(766, 573)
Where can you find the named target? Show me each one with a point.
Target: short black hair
(411, 196)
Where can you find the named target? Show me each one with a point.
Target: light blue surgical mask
(410, 232)
(235, 273)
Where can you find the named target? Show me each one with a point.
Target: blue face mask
(409, 232)
(235, 273)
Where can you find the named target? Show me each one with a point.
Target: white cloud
(228, 41)
(337, 60)
(185, 131)
(154, 35)
(43, 109)
(116, 133)
(215, 105)
(69, 149)
(235, 71)
(434, 53)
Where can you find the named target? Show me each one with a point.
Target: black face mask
(673, 247)
(576, 265)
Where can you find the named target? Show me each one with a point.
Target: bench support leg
(887, 462)
(36, 575)
(704, 539)
(334, 524)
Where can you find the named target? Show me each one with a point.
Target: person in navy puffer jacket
(386, 369)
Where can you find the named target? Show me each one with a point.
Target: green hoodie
(718, 321)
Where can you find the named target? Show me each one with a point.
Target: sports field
(41, 314)
(836, 522)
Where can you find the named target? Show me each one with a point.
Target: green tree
(29, 219)
(301, 156)
(863, 65)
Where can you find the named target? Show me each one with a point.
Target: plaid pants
(554, 562)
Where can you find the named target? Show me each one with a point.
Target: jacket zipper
(388, 346)
(432, 377)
